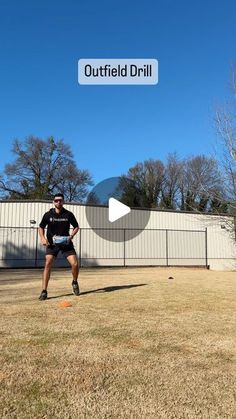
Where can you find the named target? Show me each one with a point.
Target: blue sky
(110, 128)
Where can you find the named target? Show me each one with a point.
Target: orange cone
(64, 304)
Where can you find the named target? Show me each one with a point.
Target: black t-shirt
(58, 224)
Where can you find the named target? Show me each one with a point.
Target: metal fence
(20, 247)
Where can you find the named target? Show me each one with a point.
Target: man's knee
(73, 262)
(48, 263)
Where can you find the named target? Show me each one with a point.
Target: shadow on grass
(113, 288)
(59, 296)
(99, 290)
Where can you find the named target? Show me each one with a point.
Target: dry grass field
(134, 345)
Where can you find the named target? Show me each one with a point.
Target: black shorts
(65, 249)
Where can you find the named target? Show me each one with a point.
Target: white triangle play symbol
(117, 210)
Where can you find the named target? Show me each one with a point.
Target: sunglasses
(58, 200)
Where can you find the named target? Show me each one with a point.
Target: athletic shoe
(75, 288)
(43, 295)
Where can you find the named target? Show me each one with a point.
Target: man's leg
(47, 271)
(49, 259)
(73, 261)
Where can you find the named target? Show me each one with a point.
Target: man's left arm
(75, 225)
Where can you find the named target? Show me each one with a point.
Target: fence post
(206, 254)
(80, 246)
(36, 249)
(167, 250)
(124, 250)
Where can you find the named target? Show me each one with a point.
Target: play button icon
(117, 210)
(109, 215)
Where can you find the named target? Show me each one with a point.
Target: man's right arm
(43, 239)
(41, 229)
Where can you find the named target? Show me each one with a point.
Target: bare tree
(41, 168)
(200, 183)
(193, 184)
(173, 174)
(226, 150)
(142, 184)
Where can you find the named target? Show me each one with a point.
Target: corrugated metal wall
(154, 246)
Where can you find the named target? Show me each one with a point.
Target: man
(58, 221)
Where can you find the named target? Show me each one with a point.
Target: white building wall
(150, 245)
